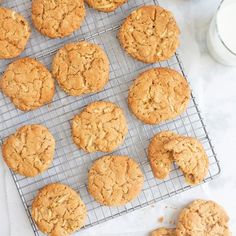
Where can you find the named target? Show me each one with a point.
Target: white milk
(221, 39)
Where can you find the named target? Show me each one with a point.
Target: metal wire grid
(70, 165)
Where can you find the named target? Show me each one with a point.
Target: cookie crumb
(161, 219)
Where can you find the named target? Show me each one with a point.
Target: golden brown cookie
(30, 150)
(150, 34)
(163, 232)
(105, 5)
(57, 18)
(28, 84)
(14, 33)
(203, 218)
(58, 210)
(158, 95)
(101, 126)
(81, 68)
(160, 159)
(190, 156)
(115, 180)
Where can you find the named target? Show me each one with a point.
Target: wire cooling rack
(71, 165)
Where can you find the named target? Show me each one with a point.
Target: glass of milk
(221, 39)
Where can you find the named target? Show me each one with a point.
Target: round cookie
(81, 68)
(101, 126)
(160, 159)
(105, 5)
(190, 156)
(30, 150)
(28, 84)
(14, 33)
(58, 210)
(158, 94)
(115, 180)
(202, 218)
(150, 34)
(163, 232)
(57, 19)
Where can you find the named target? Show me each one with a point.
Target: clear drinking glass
(221, 38)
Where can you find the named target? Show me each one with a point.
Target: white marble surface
(214, 86)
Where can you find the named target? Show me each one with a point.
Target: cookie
(28, 84)
(57, 19)
(30, 150)
(58, 210)
(81, 68)
(115, 180)
(189, 154)
(160, 159)
(150, 34)
(158, 94)
(105, 5)
(101, 126)
(202, 218)
(14, 33)
(163, 232)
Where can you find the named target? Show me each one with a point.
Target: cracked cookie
(81, 68)
(163, 232)
(30, 150)
(14, 33)
(28, 84)
(57, 18)
(203, 218)
(101, 126)
(150, 34)
(58, 210)
(158, 94)
(115, 180)
(189, 154)
(105, 5)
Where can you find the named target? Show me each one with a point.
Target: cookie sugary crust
(58, 210)
(105, 5)
(57, 18)
(202, 218)
(101, 126)
(30, 150)
(28, 84)
(158, 95)
(150, 34)
(163, 232)
(14, 33)
(81, 68)
(115, 180)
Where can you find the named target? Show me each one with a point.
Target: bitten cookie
(150, 34)
(28, 84)
(105, 5)
(115, 180)
(58, 210)
(203, 217)
(14, 33)
(190, 156)
(101, 126)
(158, 95)
(81, 68)
(163, 232)
(57, 19)
(30, 150)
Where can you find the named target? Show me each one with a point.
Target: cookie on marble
(158, 94)
(57, 19)
(105, 5)
(58, 210)
(101, 126)
(28, 84)
(30, 150)
(203, 217)
(14, 33)
(81, 68)
(163, 232)
(115, 180)
(150, 34)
